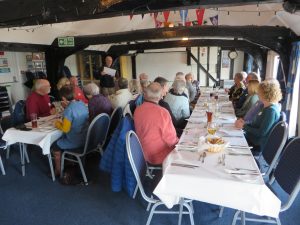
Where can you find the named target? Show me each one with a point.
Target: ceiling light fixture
(185, 39)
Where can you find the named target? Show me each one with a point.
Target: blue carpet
(36, 200)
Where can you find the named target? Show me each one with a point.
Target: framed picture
(28, 58)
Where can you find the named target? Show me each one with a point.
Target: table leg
(51, 166)
(180, 210)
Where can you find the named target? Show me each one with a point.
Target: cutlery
(203, 156)
(239, 154)
(236, 136)
(242, 169)
(184, 165)
(223, 159)
(240, 173)
(200, 156)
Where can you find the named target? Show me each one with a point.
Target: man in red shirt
(38, 102)
(154, 127)
(78, 93)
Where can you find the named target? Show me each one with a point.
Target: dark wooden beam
(22, 47)
(180, 43)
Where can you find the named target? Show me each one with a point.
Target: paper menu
(109, 71)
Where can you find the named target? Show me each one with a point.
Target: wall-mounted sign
(66, 42)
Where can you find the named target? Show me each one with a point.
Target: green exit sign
(66, 42)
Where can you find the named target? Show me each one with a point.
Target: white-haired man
(38, 102)
(154, 127)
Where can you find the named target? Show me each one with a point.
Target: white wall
(71, 63)
(14, 81)
(162, 64)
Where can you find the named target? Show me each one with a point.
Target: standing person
(98, 103)
(155, 130)
(74, 125)
(107, 83)
(78, 93)
(38, 102)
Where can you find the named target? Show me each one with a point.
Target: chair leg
(221, 211)
(1, 166)
(191, 211)
(7, 152)
(26, 154)
(152, 212)
(22, 156)
(181, 202)
(278, 221)
(235, 217)
(62, 164)
(135, 191)
(243, 218)
(82, 171)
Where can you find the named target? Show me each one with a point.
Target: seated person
(78, 93)
(155, 129)
(237, 89)
(178, 103)
(38, 102)
(251, 99)
(98, 103)
(257, 132)
(74, 125)
(250, 115)
(180, 76)
(144, 82)
(242, 99)
(191, 89)
(122, 96)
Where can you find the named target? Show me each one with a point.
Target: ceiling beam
(22, 47)
(230, 44)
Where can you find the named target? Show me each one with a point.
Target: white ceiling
(238, 16)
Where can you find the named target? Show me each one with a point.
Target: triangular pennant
(214, 20)
(200, 14)
(151, 14)
(195, 23)
(183, 15)
(143, 15)
(166, 15)
(155, 15)
(130, 16)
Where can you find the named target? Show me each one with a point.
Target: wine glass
(212, 128)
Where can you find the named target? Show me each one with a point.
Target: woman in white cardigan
(178, 102)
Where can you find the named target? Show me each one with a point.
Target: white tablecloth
(42, 136)
(210, 182)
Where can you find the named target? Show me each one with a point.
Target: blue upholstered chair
(287, 176)
(95, 139)
(139, 167)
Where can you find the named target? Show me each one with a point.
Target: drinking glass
(209, 115)
(33, 117)
(212, 128)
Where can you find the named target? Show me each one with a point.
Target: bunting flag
(200, 14)
(157, 23)
(155, 15)
(195, 23)
(143, 15)
(183, 15)
(166, 15)
(130, 16)
(214, 20)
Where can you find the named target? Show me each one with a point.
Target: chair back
(115, 118)
(275, 143)
(5, 104)
(137, 161)
(19, 113)
(97, 133)
(282, 117)
(287, 172)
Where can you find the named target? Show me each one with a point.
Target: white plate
(247, 177)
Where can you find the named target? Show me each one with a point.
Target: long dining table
(230, 178)
(43, 136)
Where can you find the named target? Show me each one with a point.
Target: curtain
(292, 89)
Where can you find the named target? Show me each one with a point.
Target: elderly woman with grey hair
(98, 103)
(178, 102)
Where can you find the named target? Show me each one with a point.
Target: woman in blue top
(256, 133)
(74, 125)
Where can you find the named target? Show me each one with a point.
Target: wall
(14, 81)
(71, 63)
